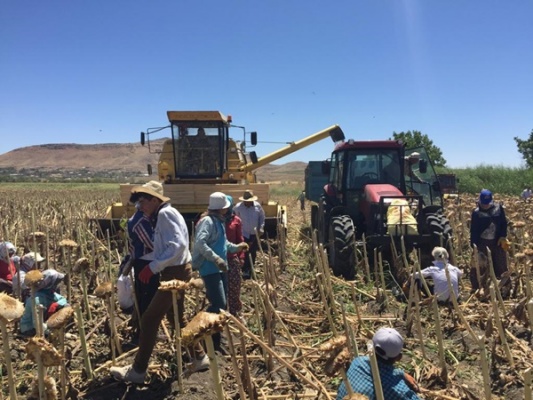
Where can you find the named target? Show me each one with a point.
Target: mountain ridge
(129, 158)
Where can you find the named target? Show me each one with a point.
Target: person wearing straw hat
(396, 384)
(252, 216)
(171, 259)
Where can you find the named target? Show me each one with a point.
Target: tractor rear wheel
(438, 226)
(341, 251)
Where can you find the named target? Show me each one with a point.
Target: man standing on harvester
(252, 216)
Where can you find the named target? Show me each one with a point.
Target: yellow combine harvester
(201, 158)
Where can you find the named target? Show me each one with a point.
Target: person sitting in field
(526, 194)
(7, 267)
(437, 272)
(28, 262)
(396, 384)
(47, 296)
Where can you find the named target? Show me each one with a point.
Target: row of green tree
(499, 179)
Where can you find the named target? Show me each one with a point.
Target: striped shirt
(141, 235)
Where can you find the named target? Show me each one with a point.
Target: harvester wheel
(341, 250)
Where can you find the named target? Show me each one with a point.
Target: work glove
(146, 274)
(504, 243)
(261, 232)
(54, 307)
(243, 246)
(410, 381)
(221, 264)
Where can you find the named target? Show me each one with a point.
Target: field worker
(141, 236)
(409, 162)
(47, 295)
(488, 230)
(301, 199)
(210, 254)
(7, 267)
(437, 272)
(171, 259)
(396, 384)
(28, 262)
(252, 216)
(235, 261)
(526, 194)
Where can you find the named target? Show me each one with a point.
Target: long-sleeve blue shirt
(208, 231)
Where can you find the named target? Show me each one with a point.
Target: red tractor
(383, 191)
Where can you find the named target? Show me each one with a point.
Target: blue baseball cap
(485, 197)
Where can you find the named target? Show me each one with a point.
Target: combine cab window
(197, 151)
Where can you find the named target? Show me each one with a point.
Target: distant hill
(115, 158)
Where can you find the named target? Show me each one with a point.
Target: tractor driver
(409, 162)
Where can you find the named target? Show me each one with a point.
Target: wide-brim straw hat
(153, 188)
(248, 196)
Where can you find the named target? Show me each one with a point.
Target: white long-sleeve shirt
(171, 240)
(438, 273)
(251, 217)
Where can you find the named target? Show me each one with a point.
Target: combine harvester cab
(201, 158)
(379, 192)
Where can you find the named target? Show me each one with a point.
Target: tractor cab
(362, 172)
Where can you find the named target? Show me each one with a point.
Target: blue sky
(99, 71)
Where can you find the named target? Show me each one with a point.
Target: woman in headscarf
(235, 261)
(7, 267)
(46, 296)
(28, 262)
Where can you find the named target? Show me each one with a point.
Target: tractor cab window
(198, 150)
(366, 166)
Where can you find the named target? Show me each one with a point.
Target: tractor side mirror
(253, 157)
(326, 167)
(253, 138)
(149, 169)
(423, 166)
(142, 138)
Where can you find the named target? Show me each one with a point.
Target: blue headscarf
(229, 214)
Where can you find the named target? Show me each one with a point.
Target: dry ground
(301, 324)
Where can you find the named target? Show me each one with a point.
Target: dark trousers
(144, 293)
(160, 306)
(252, 252)
(499, 261)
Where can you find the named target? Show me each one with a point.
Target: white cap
(389, 341)
(31, 258)
(218, 201)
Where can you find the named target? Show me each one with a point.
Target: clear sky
(100, 71)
